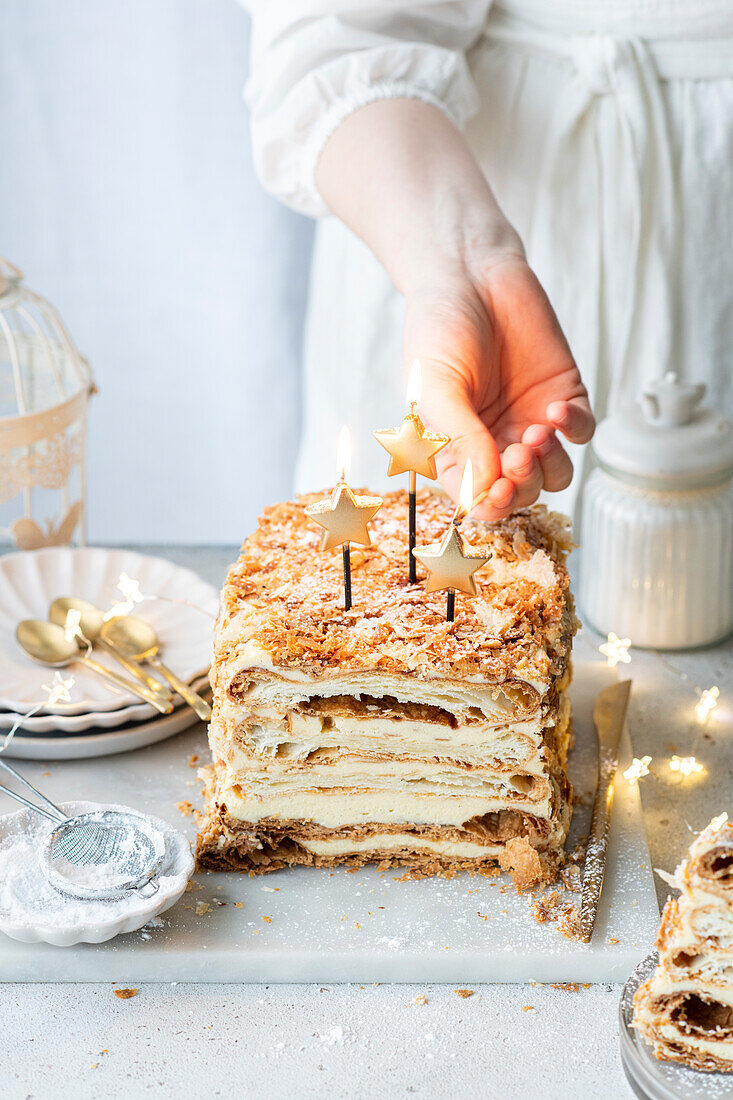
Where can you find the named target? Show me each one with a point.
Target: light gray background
(128, 197)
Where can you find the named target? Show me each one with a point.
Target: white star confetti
(72, 627)
(707, 702)
(616, 650)
(638, 769)
(59, 690)
(129, 589)
(686, 765)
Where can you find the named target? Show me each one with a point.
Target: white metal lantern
(45, 385)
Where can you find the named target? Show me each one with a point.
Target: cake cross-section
(386, 733)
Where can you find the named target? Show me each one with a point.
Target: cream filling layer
(390, 842)
(478, 746)
(423, 777)
(667, 985)
(674, 1035)
(337, 808)
(285, 689)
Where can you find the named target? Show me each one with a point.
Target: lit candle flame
(414, 384)
(465, 495)
(343, 453)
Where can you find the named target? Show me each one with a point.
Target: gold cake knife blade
(609, 713)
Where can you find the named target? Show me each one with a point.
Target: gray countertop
(366, 1042)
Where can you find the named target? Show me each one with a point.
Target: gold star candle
(412, 450)
(451, 563)
(344, 516)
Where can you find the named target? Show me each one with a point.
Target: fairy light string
(687, 768)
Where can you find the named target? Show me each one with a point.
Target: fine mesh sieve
(99, 855)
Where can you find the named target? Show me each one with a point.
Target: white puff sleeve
(314, 62)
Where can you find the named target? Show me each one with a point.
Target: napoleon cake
(685, 1009)
(386, 733)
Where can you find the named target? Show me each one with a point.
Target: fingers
(573, 418)
(447, 404)
(557, 469)
(520, 466)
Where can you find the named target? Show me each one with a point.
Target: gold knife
(609, 713)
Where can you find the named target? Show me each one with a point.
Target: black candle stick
(412, 497)
(346, 549)
(450, 606)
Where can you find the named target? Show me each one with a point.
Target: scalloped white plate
(32, 579)
(61, 724)
(82, 746)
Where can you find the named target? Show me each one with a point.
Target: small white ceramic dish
(101, 719)
(96, 921)
(32, 579)
(81, 746)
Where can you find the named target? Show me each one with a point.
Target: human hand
(498, 377)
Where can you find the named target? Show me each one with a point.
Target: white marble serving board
(321, 926)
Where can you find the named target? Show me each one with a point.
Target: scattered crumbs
(193, 760)
(614, 939)
(185, 807)
(356, 924)
(189, 887)
(343, 918)
(267, 889)
(94, 1065)
(421, 1000)
(125, 994)
(569, 987)
(550, 907)
(586, 985)
(323, 990)
(267, 920)
(464, 992)
(105, 1051)
(483, 916)
(528, 1008)
(202, 907)
(239, 905)
(45, 776)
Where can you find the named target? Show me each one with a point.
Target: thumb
(446, 407)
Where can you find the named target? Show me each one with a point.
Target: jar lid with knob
(667, 440)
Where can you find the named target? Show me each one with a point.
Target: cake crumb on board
(125, 994)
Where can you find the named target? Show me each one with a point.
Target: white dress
(606, 132)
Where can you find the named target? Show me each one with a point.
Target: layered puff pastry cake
(685, 1009)
(386, 733)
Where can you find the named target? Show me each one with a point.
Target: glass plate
(649, 1078)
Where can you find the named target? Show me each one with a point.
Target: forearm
(403, 178)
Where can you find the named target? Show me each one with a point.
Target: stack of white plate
(98, 719)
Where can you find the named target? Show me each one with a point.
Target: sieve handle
(55, 814)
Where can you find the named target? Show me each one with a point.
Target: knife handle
(597, 849)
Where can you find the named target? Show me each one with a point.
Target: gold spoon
(91, 621)
(137, 639)
(48, 644)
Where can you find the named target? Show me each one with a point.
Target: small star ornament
(451, 563)
(344, 517)
(411, 448)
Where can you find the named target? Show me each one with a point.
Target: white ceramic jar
(657, 530)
